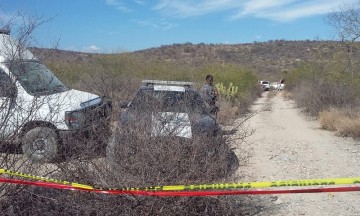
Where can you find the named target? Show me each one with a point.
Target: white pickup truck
(265, 85)
(37, 111)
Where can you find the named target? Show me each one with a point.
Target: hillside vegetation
(267, 59)
(322, 75)
(314, 70)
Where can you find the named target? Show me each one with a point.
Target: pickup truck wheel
(41, 144)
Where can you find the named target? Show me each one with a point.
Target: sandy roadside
(288, 146)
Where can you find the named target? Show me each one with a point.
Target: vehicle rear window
(168, 101)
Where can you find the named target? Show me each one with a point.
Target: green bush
(120, 70)
(244, 79)
(324, 83)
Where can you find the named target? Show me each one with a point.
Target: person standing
(210, 94)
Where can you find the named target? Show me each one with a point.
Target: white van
(37, 111)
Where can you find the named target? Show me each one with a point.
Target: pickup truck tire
(41, 144)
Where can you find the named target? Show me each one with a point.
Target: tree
(346, 22)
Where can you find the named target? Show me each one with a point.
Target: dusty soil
(287, 145)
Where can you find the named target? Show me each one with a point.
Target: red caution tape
(181, 193)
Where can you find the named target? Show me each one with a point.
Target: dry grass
(143, 161)
(349, 127)
(344, 122)
(227, 113)
(268, 104)
(329, 119)
(287, 95)
(271, 94)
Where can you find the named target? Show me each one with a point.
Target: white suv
(265, 85)
(37, 110)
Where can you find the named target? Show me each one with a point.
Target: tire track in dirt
(286, 145)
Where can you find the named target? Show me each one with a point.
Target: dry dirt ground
(287, 145)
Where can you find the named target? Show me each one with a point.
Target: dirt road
(286, 145)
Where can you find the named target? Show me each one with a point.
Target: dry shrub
(118, 87)
(287, 95)
(316, 96)
(349, 127)
(134, 151)
(329, 119)
(42, 201)
(345, 122)
(231, 109)
(227, 113)
(271, 94)
(138, 160)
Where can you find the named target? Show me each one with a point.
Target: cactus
(228, 93)
(221, 88)
(232, 90)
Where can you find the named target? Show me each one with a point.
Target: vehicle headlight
(92, 102)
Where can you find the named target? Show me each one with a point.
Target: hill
(268, 59)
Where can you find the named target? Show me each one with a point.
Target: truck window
(35, 78)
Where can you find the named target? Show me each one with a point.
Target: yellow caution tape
(218, 186)
(45, 179)
(252, 185)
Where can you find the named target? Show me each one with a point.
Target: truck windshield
(35, 78)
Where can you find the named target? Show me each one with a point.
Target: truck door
(7, 104)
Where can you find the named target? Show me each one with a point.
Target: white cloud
(289, 10)
(187, 8)
(123, 5)
(279, 10)
(141, 2)
(92, 49)
(157, 24)
(250, 7)
(118, 4)
(164, 25)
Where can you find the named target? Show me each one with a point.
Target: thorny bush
(136, 159)
(140, 161)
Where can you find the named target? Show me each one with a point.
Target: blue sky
(129, 25)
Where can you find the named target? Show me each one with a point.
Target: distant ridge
(267, 58)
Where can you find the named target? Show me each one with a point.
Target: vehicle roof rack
(5, 31)
(163, 82)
